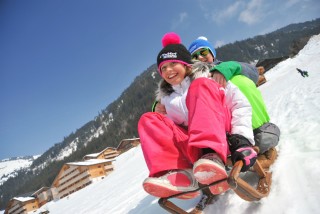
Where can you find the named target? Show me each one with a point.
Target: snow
(8, 167)
(24, 199)
(90, 162)
(67, 151)
(93, 155)
(294, 105)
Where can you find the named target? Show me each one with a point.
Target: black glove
(241, 149)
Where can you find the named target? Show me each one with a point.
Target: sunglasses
(203, 52)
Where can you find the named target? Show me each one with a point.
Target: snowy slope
(294, 105)
(9, 167)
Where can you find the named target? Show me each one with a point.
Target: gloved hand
(241, 149)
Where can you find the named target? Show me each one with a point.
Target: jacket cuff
(154, 105)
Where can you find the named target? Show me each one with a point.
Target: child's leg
(164, 147)
(209, 118)
(163, 143)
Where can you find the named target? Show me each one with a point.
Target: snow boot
(173, 182)
(208, 169)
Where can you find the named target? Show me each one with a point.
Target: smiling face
(173, 72)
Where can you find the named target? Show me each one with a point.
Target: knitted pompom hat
(173, 51)
(201, 42)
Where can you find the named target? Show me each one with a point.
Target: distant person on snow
(303, 73)
(184, 146)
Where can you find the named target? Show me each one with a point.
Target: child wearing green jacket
(245, 77)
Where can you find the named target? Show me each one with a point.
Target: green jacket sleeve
(153, 108)
(228, 69)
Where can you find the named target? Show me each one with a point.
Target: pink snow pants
(167, 146)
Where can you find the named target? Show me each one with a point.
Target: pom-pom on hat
(173, 51)
(201, 42)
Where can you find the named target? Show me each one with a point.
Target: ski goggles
(203, 52)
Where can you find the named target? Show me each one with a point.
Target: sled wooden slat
(171, 207)
(245, 190)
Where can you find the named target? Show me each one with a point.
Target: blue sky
(61, 62)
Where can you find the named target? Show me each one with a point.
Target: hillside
(119, 119)
(10, 167)
(293, 103)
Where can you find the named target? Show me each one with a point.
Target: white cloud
(225, 14)
(253, 12)
(182, 17)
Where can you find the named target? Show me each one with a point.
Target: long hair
(196, 70)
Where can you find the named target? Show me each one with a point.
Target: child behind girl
(266, 134)
(180, 155)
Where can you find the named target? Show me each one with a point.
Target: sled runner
(172, 208)
(237, 184)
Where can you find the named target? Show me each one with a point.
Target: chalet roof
(130, 139)
(23, 199)
(93, 155)
(124, 141)
(40, 190)
(97, 154)
(90, 162)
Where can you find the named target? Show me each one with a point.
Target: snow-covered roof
(93, 155)
(40, 190)
(90, 162)
(23, 199)
(96, 154)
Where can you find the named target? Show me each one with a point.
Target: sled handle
(243, 189)
(234, 174)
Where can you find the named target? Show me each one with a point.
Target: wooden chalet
(77, 175)
(21, 205)
(43, 195)
(107, 153)
(29, 202)
(127, 144)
